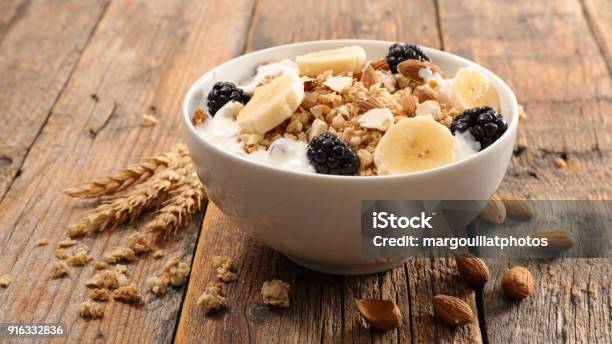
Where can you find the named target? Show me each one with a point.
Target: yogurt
(443, 86)
(465, 145)
(268, 70)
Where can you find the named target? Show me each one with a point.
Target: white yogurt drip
(286, 154)
(222, 129)
(443, 86)
(429, 109)
(465, 145)
(266, 70)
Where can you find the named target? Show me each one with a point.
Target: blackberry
(483, 123)
(399, 52)
(222, 93)
(331, 155)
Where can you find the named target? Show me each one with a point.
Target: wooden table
(77, 76)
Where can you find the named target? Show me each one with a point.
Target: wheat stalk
(126, 177)
(176, 212)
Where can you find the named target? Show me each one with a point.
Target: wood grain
(38, 53)
(598, 14)
(323, 306)
(141, 59)
(547, 54)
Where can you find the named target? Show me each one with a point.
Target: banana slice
(472, 89)
(414, 144)
(343, 60)
(271, 104)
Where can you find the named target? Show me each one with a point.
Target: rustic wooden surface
(139, 57)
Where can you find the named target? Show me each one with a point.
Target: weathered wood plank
(547, 54)
(599, 16)
(141, 59)
(38, 53)
(323, 306)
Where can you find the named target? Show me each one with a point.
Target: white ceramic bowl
(314, 219)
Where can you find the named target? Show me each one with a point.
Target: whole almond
(369, 103)
(494, 211)
(381, 314)
(517, 282)
(452, 310)
(472, 269)
(369, 77)
(409, 104)
(517, 208)
(559, 240)
(380, 64)
(411, 68)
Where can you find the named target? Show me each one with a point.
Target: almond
(473, 270)
(452, 310)
(384, 315)
(494, 211)
(369, 103)
(199, 116)
(411, 68)
(517, 282)
(369, 77)
(380, 64)
(409, 104)
(518, 208)
(559, 240)
(424, 94)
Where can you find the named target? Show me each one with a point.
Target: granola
(59, 269)
(127, 294)
(276, 293)
(99, 294)
(223, 267)
(80, 256)
(119, 254)
(138, 243)
(90, 309)
(212, 298)
(5, 280)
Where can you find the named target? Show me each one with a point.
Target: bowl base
(345, 269)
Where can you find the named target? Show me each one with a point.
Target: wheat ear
(176, 212)
(123, 178)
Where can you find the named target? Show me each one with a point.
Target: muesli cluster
(334, 112)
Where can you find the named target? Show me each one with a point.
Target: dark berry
(331, 155)
(399, 52)
(483, 123)
(222, 93)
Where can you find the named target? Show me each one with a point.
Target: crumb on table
(212, 297)
(276, 293)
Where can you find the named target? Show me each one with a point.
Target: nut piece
(100, 265)
(158, 254)
(380, 64)
(384, 315)
(5, 280)
(369, 77)
(518, 208)
(199, 116)
(473, 270)
(127, 294)
(452, 310)
(66, 243)
(559, 240)
(148, 121)
(424, 94)
(212, 297)
(411, 68)
(99, 294)
(276, 293)
(60, 253)
(517, 282)
(92, 310)
(223, 266)
(42, 242)
(494, 211)
(409, 104)
(59, 269)
(368, 104)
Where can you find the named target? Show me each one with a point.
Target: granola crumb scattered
(99, 294)
(42, 242)
(5, 280)
(89, 309)
(148, 121)
(138, 243)
(212, 297)
(223, 267)
(158, 285)
(177, 271)
(66, 243)
(128, 294)
(276, 293)
(158, 254)
(59, 269)
(60, 253)
(106, 279)
(79, 257)
(119, 254)
(560, 163)
(101, 265)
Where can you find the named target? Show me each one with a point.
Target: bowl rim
(506, 138)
